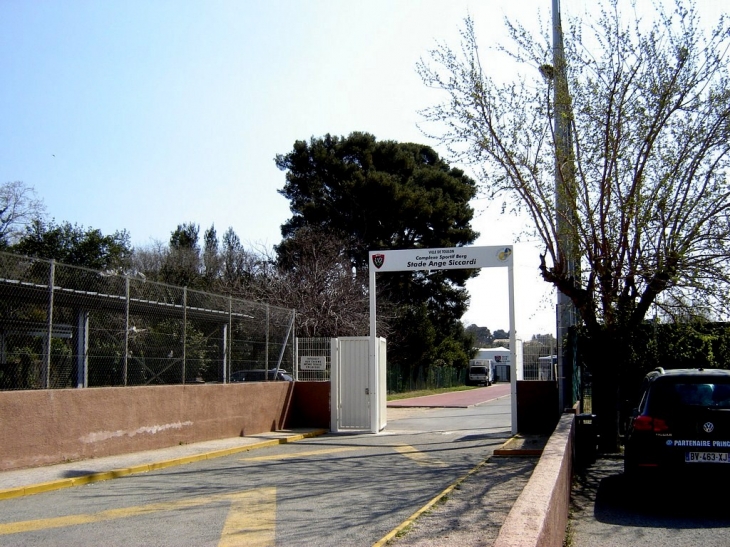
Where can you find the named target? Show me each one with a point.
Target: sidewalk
(25, 482)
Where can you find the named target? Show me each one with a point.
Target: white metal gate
(353, 391)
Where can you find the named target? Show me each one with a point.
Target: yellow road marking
(299, 454)
(251, 520)
(419, 457)
(260, 503)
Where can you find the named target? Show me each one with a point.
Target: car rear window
(666, 397)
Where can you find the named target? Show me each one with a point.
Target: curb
(517, 452)
(59, 484)
(506, 451)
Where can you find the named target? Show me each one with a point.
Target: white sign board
(449, 258)
(312, 362)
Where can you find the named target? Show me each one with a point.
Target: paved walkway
(25, 482)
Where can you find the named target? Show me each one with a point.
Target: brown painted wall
(310, 405)
(52, 426)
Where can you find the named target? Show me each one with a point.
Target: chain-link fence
(539, 361)
(423, 378)
(64, 326)
(314, 355)
(315, 359)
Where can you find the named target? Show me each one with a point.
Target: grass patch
(403, 532)
(569, 532)
(424, 392)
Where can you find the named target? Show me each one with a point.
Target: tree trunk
(603, 354)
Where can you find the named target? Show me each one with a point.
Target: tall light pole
(564, 196)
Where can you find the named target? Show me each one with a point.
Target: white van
(481, 372)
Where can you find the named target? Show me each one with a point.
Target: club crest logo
(504, 254)
(378, 260)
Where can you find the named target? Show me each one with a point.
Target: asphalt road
(610, 511)
(328, 491)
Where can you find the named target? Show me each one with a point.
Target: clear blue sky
(142, 115)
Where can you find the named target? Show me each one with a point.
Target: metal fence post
(126, 330)
(289, 332)
(295, 347)
(227, 342)
(184, 331)
(266, 349)
(46, 375)
(82, 348)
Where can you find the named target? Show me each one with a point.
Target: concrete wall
(51, 426)
(537, 406)
(539, 517)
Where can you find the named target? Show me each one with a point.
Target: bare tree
(650, 121)
(150, 258)
(18, 207)
(646, 174)
(316, 277)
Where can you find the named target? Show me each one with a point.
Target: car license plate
(706, 457)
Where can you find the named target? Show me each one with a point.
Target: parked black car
(682, 422)
(259, 375)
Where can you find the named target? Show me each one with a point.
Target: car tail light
(647, 423)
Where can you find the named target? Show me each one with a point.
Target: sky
(143, 115)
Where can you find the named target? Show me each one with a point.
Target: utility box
(537, 407)
(586, 439)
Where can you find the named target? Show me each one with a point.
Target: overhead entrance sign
(449, 258)
(445, 258)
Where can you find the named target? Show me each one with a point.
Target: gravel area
(473, 513)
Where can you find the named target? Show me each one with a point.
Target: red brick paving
(456, 399)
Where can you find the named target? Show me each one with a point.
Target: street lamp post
(564, 195)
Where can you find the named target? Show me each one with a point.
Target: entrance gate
(449, 258)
